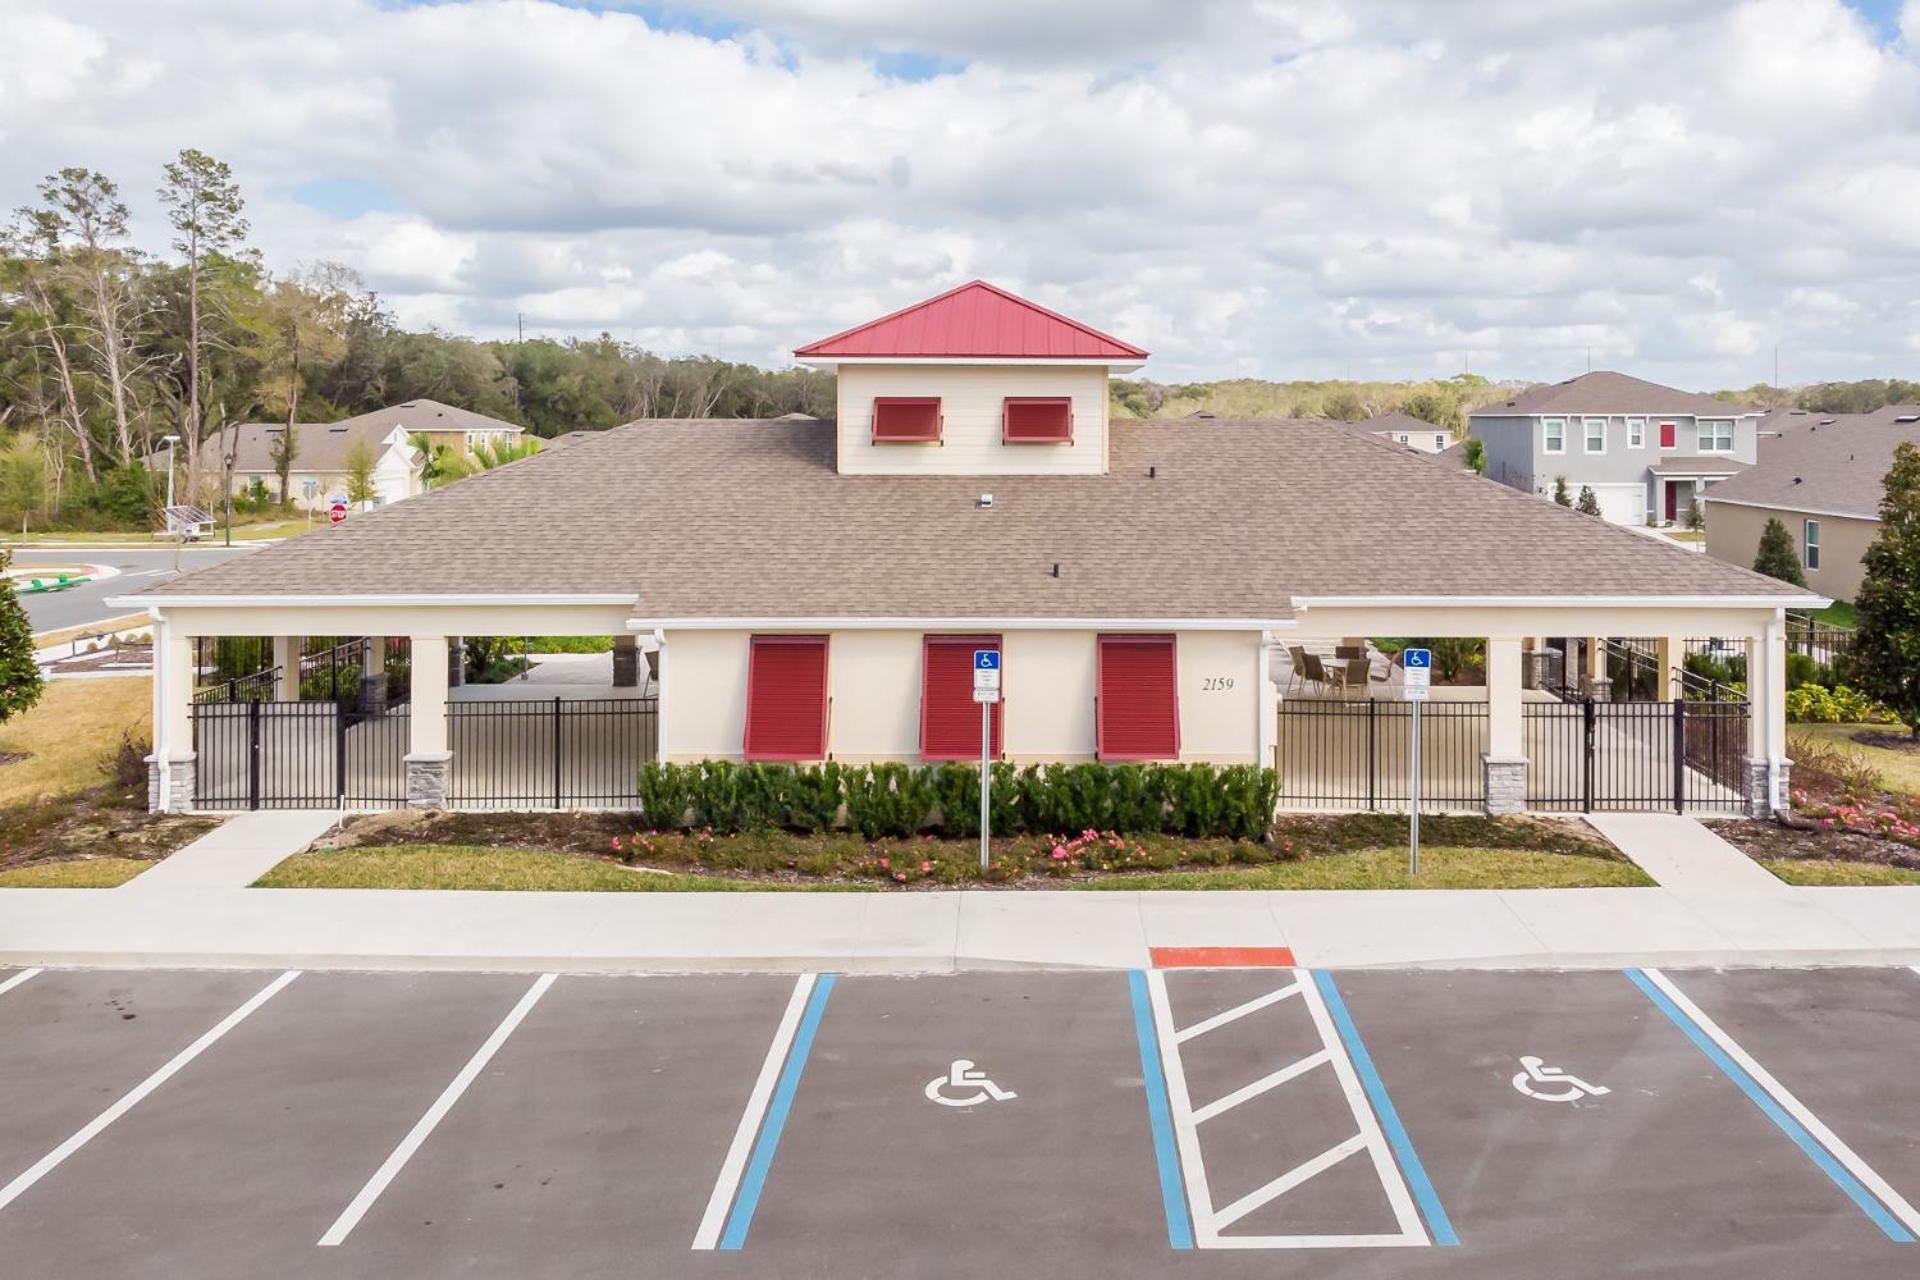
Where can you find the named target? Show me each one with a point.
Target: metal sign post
(986, 692)
(1417, 670)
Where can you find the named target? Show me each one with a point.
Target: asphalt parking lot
(1237, 1123)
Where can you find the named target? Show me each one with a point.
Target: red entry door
(1673, 499)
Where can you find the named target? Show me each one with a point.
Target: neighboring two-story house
(1403, 428)
(1645, 450)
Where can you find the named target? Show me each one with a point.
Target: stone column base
(175, 788)
(1505, 778)
(427, 774)
(373, 694)
(456, 662)
(1600, 688)
(626, 662)
(1759, 803)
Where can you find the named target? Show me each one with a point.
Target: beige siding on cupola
(971, 396)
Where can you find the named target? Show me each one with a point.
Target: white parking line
(52, 1160)
(724, 1186)
(351, 1215)
(17, 979)
(1209, 1222)
(1862, 1172)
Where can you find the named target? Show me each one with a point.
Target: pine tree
(1776, 557)
(1886, 654)
(1589, 504)
(1562, 494)
(20, 680)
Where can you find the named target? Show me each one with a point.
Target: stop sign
(337, 513)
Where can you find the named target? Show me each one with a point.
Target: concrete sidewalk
(234, 854)
(225, 926)
(1681, 853)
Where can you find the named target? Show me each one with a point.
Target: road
(1760, 1124)
(139, 567)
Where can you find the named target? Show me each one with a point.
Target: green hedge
(1232, 801)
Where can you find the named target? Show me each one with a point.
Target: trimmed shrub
(888, 799)
(956, 792)
(666, 794)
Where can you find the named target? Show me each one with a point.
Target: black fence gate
(1587, 756)
(556, 753)
(298, 755)
(1357, 755)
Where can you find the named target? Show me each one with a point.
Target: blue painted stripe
(1869, 1204)
(1173, 1197)
(1439, 1226)
(776, 1119)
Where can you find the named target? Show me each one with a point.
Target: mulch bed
(1903, 742)
(1766, 840)
(102, 823)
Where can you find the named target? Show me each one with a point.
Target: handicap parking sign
(1416, 667)
(986, 659)
(1419, 658)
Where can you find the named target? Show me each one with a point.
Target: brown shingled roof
(1200, 519)
(1836, 463)
(1604, 391)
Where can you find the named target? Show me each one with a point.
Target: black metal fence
(258, 687)
(558, 754)
(298, 755)
(1583, 755)
(1684, 755)
(1357, 755)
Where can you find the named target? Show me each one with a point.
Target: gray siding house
(1645, 450)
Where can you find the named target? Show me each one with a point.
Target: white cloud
(1284, 188)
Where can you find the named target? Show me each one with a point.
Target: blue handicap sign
(1419, 658)
(986, 659)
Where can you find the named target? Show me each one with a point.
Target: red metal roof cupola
(976, 321)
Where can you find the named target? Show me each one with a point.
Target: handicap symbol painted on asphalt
(963, 1086)
(1551, 1084)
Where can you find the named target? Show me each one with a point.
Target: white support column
(170, 769)
(1671, 653)
(373, 675)
(1598, 685)
(428, 760)
(1505, 763)
(1265, 706)
(286, 660)
(1768, 769)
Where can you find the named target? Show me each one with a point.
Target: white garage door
(1621, 503)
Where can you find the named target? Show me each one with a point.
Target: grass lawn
(1441, 867)
(454, 866)
(1816, 871)
(69, 737)
(443, 866)
(1685, 535)
(86, 873)
(1900, 769)
(1837, 614)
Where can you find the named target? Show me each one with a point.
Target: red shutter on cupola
(787, 698)
(1036, 420)
(906, 419)
(1139, 713)
(949, 717)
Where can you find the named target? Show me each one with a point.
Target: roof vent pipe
(1056, 568)
(1153, 472)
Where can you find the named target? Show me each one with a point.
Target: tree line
(108, 347)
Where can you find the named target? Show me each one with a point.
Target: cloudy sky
(1271, 188)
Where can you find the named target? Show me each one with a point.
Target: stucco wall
(1733, 535)
(970, 406)
(873, 681)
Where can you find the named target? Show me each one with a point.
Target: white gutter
(1560, 602)
(658, 625)
(1775, 625)
(660, 699)
(360, 601)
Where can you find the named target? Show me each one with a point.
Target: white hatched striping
(1247, 1093)
(18, 978)
(1238, 1011)
(1208, 1222)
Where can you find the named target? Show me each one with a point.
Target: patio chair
(1297, 662)
(653, 666)
(1351, 674)
(1316, 671)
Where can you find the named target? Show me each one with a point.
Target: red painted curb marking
(1222, 957)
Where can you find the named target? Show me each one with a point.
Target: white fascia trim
(354, 602)
(1788, 506)
(1117, 365)
(1304, 603)
(959, 624)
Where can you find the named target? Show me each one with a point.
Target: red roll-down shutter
(949, 717)
(1139, 712)
(787, 698)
